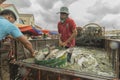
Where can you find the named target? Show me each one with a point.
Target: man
(67, 30)
(7, 18)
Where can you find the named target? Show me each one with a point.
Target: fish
(52, 53)
(40, 55)
(84, 59)
(90, 60)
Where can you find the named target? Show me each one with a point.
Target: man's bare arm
(27, 44)
(72, 36)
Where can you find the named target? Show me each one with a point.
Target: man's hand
(27, 44)
(34, 53)
(64, 44)
(60, 43)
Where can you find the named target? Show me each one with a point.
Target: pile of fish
(90, 60)
(84, 59)
(47, 54)
(51, 57)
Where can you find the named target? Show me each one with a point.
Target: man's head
(9, 15)
(64, 12)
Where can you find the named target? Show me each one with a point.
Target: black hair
(8, 12)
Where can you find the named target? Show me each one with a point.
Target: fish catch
(83, 59)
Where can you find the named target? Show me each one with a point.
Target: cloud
(46, 4)
(20, 3)
(100, 11)
(68, 2)
(51, 16)
(112, 21)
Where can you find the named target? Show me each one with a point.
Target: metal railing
(112, 47)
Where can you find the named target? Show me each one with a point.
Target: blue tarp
(37, 31)
(53, 32)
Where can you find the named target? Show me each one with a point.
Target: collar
(66, 20)
(1, 17)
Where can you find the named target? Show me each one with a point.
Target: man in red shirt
(67, 29)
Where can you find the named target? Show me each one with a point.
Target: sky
(106, 13)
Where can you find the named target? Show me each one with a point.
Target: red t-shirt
(66, 30)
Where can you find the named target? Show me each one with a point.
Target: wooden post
(59, 77)
(39, 74)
